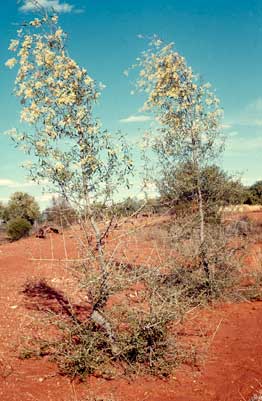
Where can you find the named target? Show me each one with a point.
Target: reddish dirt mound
(229, 336)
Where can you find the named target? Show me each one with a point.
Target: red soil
(230, 368)
(253, 216)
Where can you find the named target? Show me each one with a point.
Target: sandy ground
(229, 335)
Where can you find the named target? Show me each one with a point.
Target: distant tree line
(177, 192)
(218, 188)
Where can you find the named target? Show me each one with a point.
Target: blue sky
(221, 40)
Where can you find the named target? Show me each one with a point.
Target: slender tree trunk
(203, 258)
(197, 171)
(202, 247)
(97, 316)
(201, 211)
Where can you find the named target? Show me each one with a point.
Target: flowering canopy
(187, 110)
(57, 98)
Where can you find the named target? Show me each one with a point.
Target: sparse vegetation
(59, 213)
(132, 297)
(142, 304)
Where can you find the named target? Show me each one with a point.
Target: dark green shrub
(254, 194)
(22, 205)
(18, 228)
(178, 188)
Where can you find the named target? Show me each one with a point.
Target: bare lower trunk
(201, 213)
(97, 316)
(203, 255)
(202, 247)
(100, 320)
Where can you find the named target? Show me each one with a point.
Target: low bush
(141, 320)
(86, 349)
(141, 305)
(18, 228)
(140, 341)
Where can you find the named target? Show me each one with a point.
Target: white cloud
(244, 145)
(56, 5)
(249, 116)
(255, 106)
(257, 123)
(247, 121)
(252, 114)
(226, 126)
(135, 119)
(45, 197)
(5, 182)
(233, 133)
(249, 180)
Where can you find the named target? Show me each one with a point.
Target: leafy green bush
(179, 188)
(22, 205)
(18, 228)
(254, 194)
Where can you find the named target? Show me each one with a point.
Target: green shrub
(22, 205)
(18, 228)
(254, 194)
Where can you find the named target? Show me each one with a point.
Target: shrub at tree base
(18, 228)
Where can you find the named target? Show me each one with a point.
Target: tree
(60, 212)
(254, 196)
(218, 188)
(69, 148)
(127, 207)
(22, 205)
(188, 115)
(2, 211)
